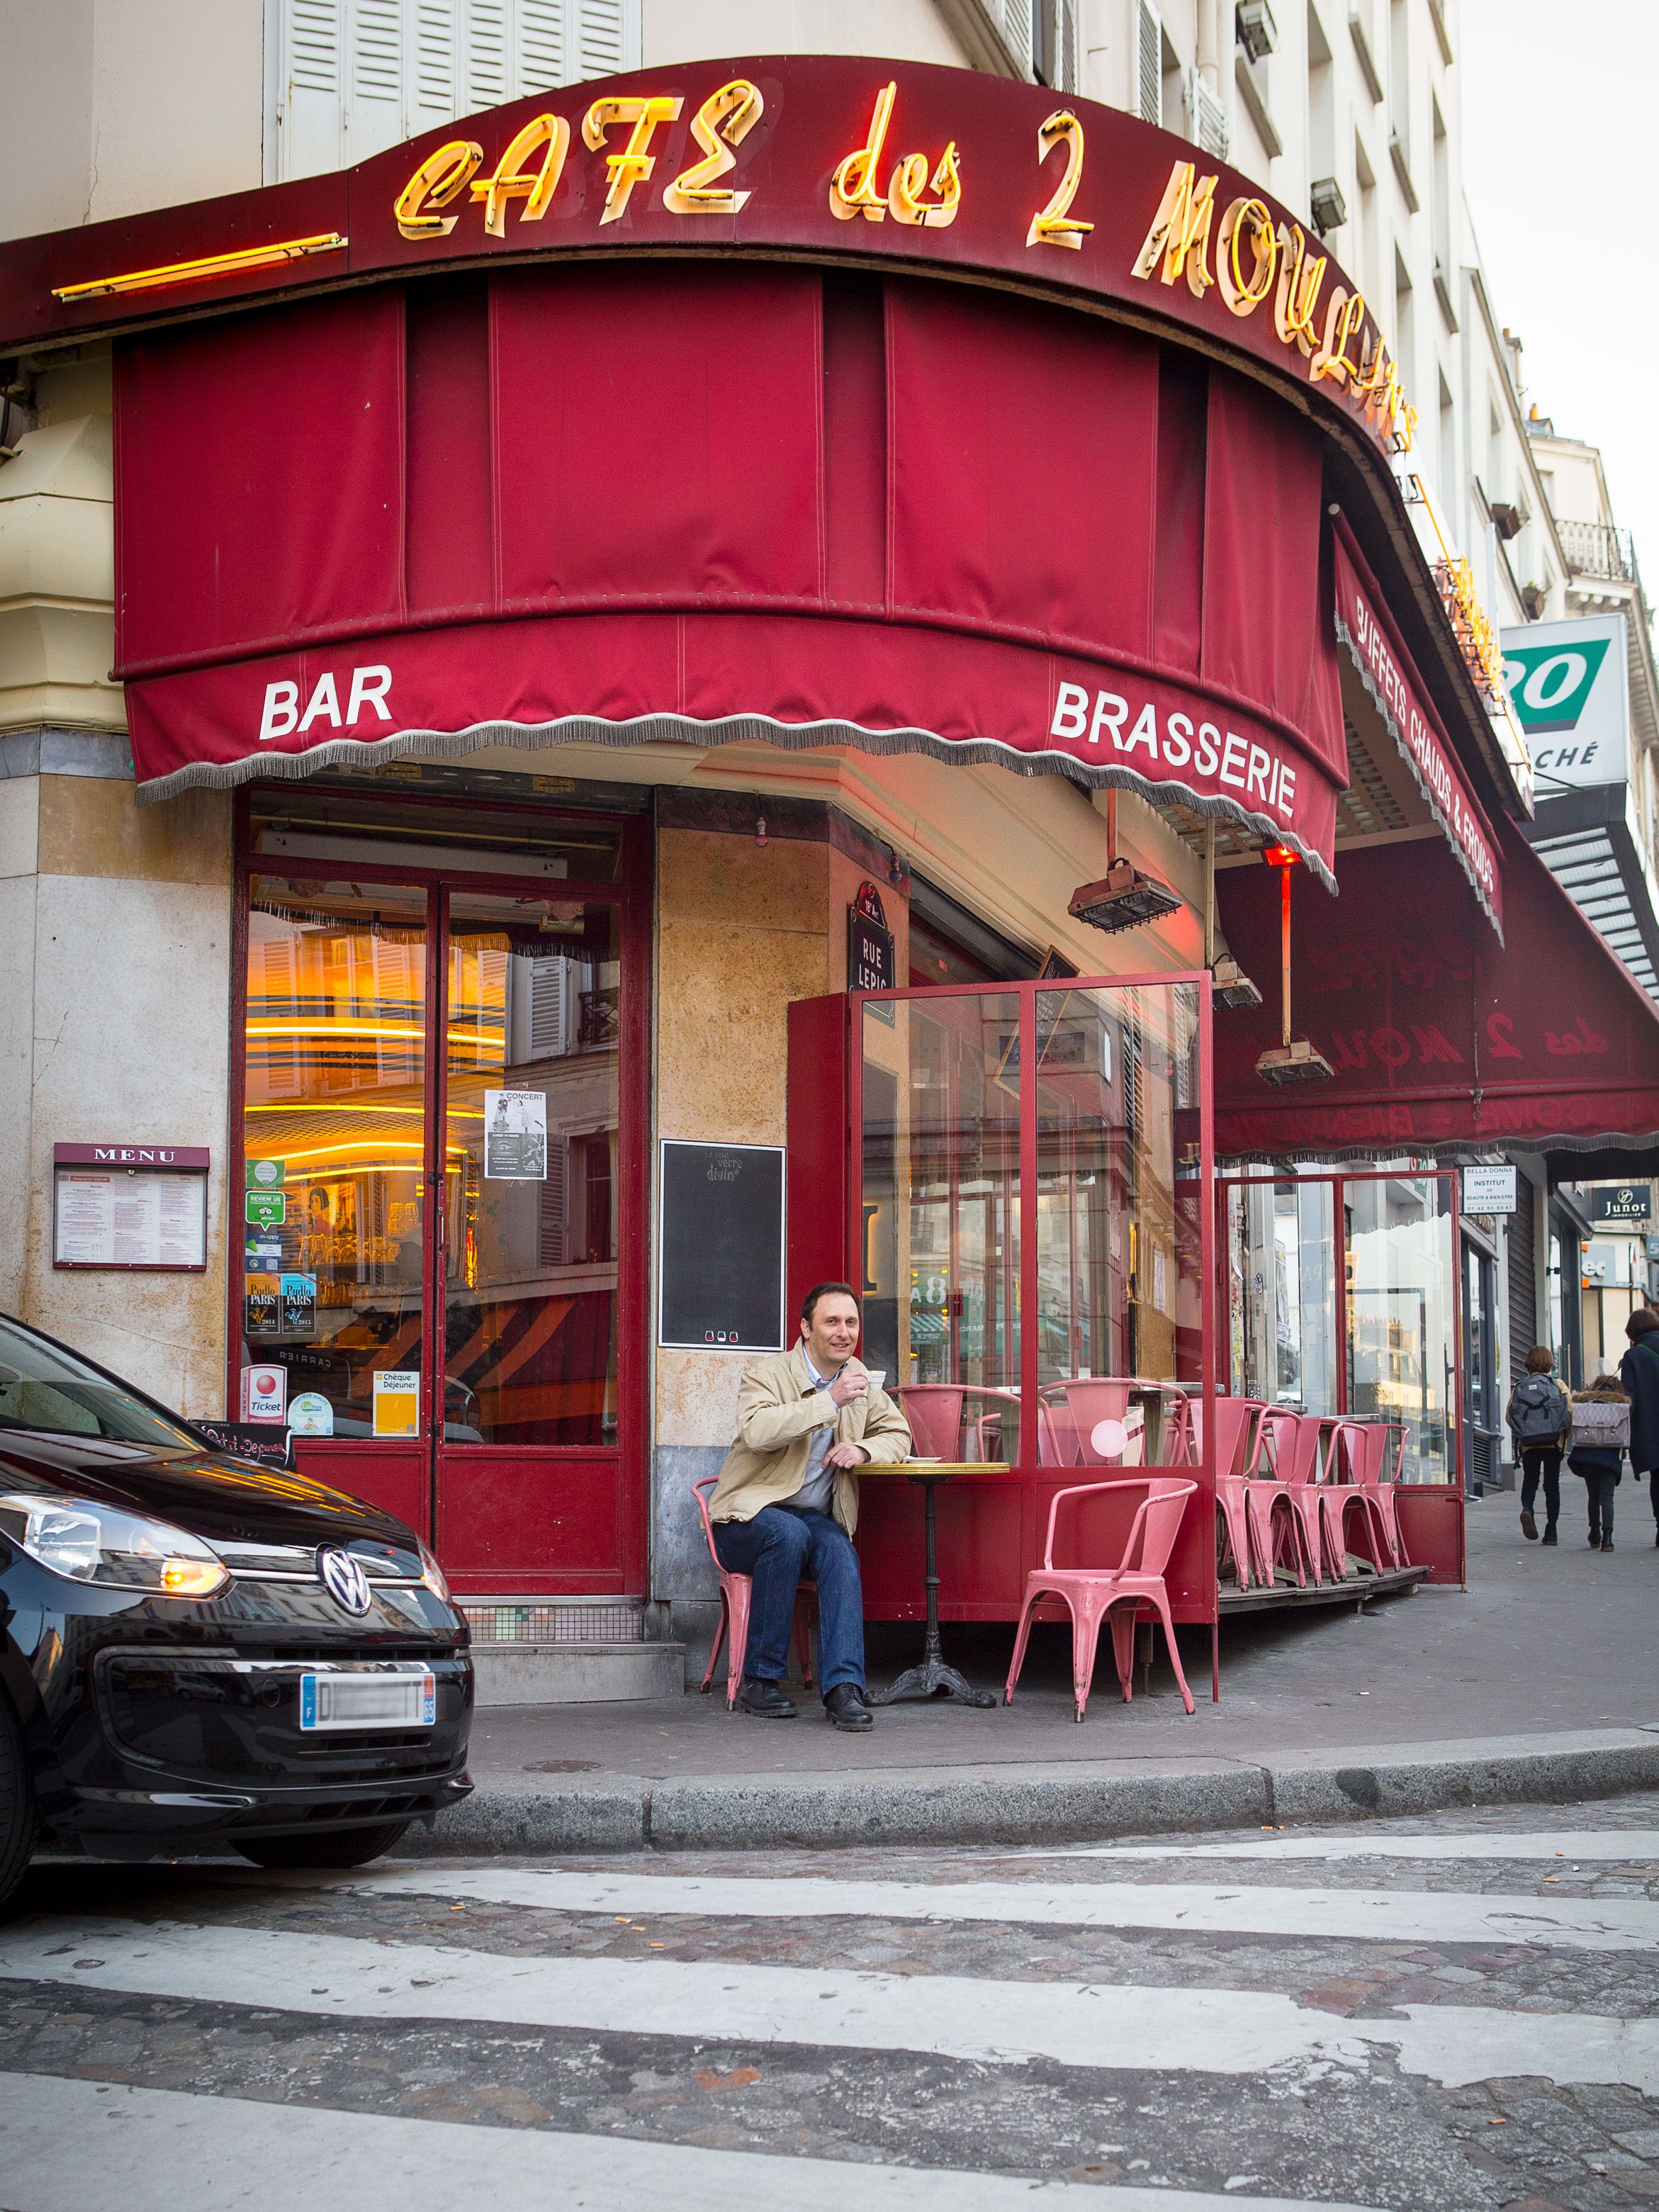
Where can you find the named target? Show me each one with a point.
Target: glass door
(529, 1230)
(441, 1279)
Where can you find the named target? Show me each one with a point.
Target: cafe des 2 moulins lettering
(803, 155)
(1258, 264)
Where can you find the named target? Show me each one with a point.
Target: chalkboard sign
(720, 1264)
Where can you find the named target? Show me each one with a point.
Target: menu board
(129, 1218)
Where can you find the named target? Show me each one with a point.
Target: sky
(1558, 128)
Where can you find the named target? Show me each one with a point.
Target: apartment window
(1321, 114)
(1403, 333)
(1054, 59)
(1364, 179)
(354, 76)
(1448, 440)
(1149, 63)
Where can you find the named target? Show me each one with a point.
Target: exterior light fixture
(1327, 205)
(1231, 987)
(1258, 33)
(1292, 1059)
(1125, 896)
(1122, 897)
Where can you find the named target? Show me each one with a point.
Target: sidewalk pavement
(1536, 1683)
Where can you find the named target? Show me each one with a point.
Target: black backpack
(1538, 1411)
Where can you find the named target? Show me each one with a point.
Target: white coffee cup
(877, 1376)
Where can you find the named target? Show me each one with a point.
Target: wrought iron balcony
(1594, 548)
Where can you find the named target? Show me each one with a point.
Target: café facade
(732, 676)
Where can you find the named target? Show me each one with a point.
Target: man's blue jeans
(778, 1549)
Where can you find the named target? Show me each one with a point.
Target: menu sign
(121, 1217)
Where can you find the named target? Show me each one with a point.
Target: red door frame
(1192, 1574)
(405, 1478)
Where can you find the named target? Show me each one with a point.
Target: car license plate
(368, 1701)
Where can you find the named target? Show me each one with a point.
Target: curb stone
(1018, 1804)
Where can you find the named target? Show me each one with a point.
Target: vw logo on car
(345, 1580)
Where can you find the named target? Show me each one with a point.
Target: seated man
(785, 1507)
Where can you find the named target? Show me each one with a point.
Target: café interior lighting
(1292, 1059)
(212, 264)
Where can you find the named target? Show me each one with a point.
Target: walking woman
(1638, 1370)
(1600, 1431)
(1540, 1415)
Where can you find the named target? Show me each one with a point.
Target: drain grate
(555, 1623)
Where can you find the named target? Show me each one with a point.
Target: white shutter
(539, 46)
(551, 1205)
(308, 117)
(1069, 72)
(355, 77)
(434, 87)
(605, 31)
(1149, 63)
(486, 74)
(550, 1007)
(374, 86)
(276, 998)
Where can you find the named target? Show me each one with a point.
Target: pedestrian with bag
(1638, 1370)
(1539, 1416)
(1601, 1432)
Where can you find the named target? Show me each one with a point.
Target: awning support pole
(1285, 951)
(1209, 895)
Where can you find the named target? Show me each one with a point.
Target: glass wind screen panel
(531, 1172)
(1281, 1288)
(334, 1140)
(1118, 1261)
(941, 1217)
(1402, 1345)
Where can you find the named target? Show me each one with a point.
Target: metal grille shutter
(1522, 1259)
(1149, 63)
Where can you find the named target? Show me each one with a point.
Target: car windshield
(44, 1387)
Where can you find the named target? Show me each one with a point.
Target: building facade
(454, 720)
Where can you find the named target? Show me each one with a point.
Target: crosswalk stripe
(1209, 2030)
(62, 2142)
(1617, 1924)
(1622, 1846)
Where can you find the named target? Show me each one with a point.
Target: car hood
(206, 1492)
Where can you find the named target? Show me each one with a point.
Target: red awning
(613, 504)
(1439, 1034)
(1365, 625)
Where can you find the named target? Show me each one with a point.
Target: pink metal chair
(1280, 1500)
(997, 1429)
(1091, 1595)
(1364, 1448)
(736, 1592)
(934, 1411)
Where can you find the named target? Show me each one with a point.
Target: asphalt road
(1456, 2012)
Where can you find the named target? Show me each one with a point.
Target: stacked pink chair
(1238, 1429)
(1367, 1449)
(1280, 1503)
(736, 1593)
(934, 1411)
(1118, 1592)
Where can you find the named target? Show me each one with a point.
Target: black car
(197, 1652)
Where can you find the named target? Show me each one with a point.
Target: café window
(1034, 1230)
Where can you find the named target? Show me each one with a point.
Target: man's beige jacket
(778, 1409)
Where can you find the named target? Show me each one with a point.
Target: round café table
(933, 1677)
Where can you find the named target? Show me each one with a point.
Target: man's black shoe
(844, 1706)
(1528, 1526)
(765, 1700)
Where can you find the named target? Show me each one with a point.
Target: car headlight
(433, 1576)
(93, 1543)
